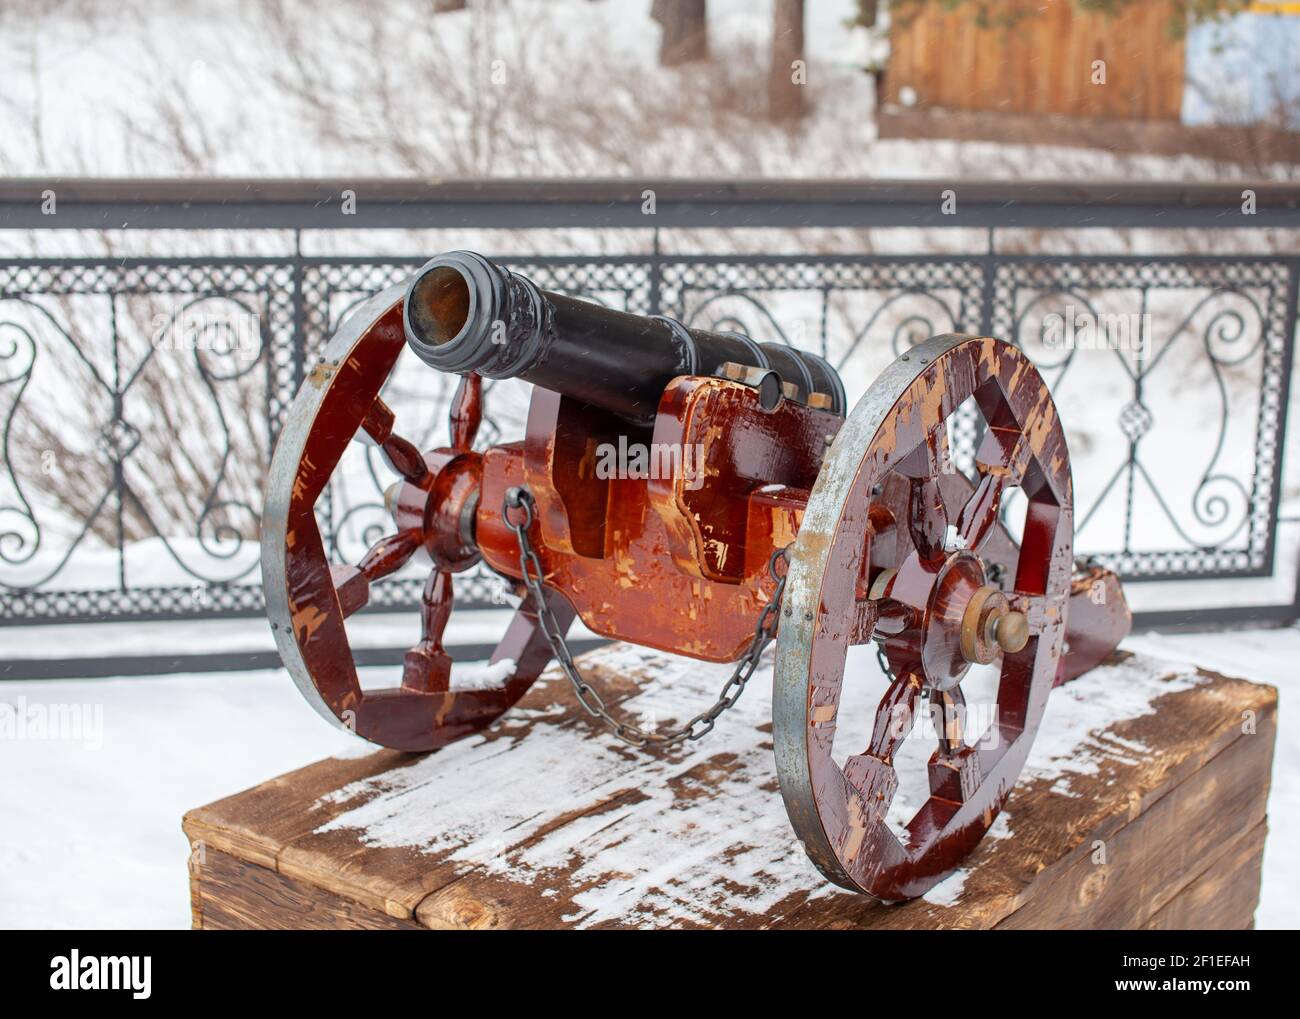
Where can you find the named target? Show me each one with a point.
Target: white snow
(948, 891)
(92, 838)
(482, 676)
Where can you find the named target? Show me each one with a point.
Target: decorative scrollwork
(20, 532)
(1220, 498)
(1222, 333)
(125, 482)
(760, 325)
(356, 528)
(911, 329)
(17, 353)
(254, 328)
(1051, 355)
(218, 535)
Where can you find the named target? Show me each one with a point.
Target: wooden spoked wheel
(882, 555)
(433, 503)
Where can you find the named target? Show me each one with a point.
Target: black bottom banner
(451, 969)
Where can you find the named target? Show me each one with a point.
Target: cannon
(754, 508)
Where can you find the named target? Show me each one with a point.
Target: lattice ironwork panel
(134, 402)
(139, 400)
(1172, 378)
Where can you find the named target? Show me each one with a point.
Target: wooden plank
(1124, 879)
(548, 822)
(1225, 896)
(278, 824)
(1038, 52)
(235, 895)
(1121, 136)
(196, 896)
(256, 824)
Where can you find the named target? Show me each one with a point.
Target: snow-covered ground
(91, 831)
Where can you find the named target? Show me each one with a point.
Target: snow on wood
(683, 835)
(482, 675)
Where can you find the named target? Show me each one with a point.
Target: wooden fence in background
(1041, 64)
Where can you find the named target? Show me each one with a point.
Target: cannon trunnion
(701, 493)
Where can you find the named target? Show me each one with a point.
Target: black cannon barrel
(464, 313)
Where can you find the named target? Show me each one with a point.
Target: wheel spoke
(466, 411)
(427, 666)
(378, 422)
(389, 554)
(405, 458)
(927, 519)
(980, 513)
(402, 455)
(950, 708)
(895, 716)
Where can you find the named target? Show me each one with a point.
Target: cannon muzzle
(464, 313)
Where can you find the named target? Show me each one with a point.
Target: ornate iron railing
(140, 398)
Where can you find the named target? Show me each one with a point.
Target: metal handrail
(322, 203)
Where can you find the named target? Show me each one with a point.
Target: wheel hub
(442, 507)
(937, 623)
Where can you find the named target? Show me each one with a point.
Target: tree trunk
(789, 72)
(446, 6)
(685, 31)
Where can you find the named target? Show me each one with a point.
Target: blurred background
(195, 195)
(619, 87)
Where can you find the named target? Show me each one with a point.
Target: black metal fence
(140, 398)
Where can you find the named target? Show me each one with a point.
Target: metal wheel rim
(803, 757)
(392, 717)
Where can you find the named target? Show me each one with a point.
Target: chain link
(518, 513)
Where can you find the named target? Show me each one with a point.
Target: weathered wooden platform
(1143, 805)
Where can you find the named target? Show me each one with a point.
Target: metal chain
(518, 513)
